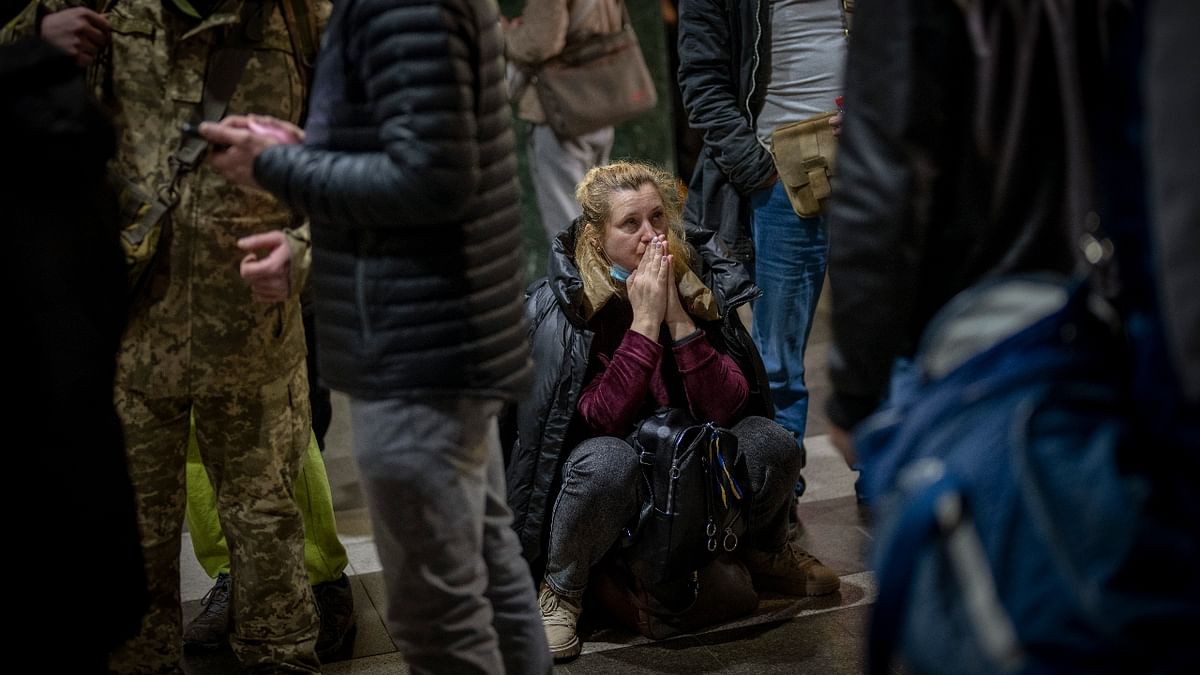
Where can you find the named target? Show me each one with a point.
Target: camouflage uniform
(197, 342)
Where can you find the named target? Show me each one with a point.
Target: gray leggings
(602, 492)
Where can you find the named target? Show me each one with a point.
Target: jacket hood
(563, 275)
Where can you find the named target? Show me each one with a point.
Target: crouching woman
(632, 318)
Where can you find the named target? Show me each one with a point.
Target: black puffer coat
(546, 424)
(915, 217)
(409, 176)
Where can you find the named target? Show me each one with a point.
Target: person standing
(215, 330)
(544, 29)
(625, 324)
(744, 74)
(65, 320)
(1080, 183)
(408, 174)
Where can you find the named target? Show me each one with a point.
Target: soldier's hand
(78, 31)
(267, 267)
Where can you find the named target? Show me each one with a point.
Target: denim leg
(425, 472)
(601, 494)
(790, 254)
(774, 464)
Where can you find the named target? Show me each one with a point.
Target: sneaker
(210, 630)
(792, 571)
(559, 616)
(335, 605)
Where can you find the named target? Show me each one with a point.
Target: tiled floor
(785, 635)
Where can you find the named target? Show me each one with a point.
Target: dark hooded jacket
(724, 64)
(66, 313)
(547, 424)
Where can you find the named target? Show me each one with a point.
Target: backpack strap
(937, 512)
(225, 69)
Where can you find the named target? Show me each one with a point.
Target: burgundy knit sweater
(630, 376)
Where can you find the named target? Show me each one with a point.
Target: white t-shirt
(808, 55)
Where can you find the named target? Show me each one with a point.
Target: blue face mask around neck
(619, 273)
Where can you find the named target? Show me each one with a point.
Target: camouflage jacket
(198, 327)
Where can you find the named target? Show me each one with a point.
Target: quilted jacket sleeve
(415, 60)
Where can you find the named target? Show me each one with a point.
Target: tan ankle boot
(792, 571)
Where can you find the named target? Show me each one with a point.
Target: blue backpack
(1025, 522)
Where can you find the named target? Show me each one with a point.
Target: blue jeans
(459, 596)
(790, 254)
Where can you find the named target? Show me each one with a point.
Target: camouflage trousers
(252, 441)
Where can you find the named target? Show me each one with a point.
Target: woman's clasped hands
(654, 295)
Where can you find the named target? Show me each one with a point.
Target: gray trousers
(557, 166)
(460, 598)
(602, 492)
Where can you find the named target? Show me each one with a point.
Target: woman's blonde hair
(594, 195)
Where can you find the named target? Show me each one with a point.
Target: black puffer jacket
(408, 174)
(724, 64)
(547, 426)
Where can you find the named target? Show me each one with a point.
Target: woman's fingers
(648, 256)
(653, 252)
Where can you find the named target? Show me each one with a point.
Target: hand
(679, 322)
(78, 31)
(836, 123)
(647, 288)
(242, 146)
(845, 444)
(269, 277)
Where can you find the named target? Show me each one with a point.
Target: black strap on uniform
(225, 69)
